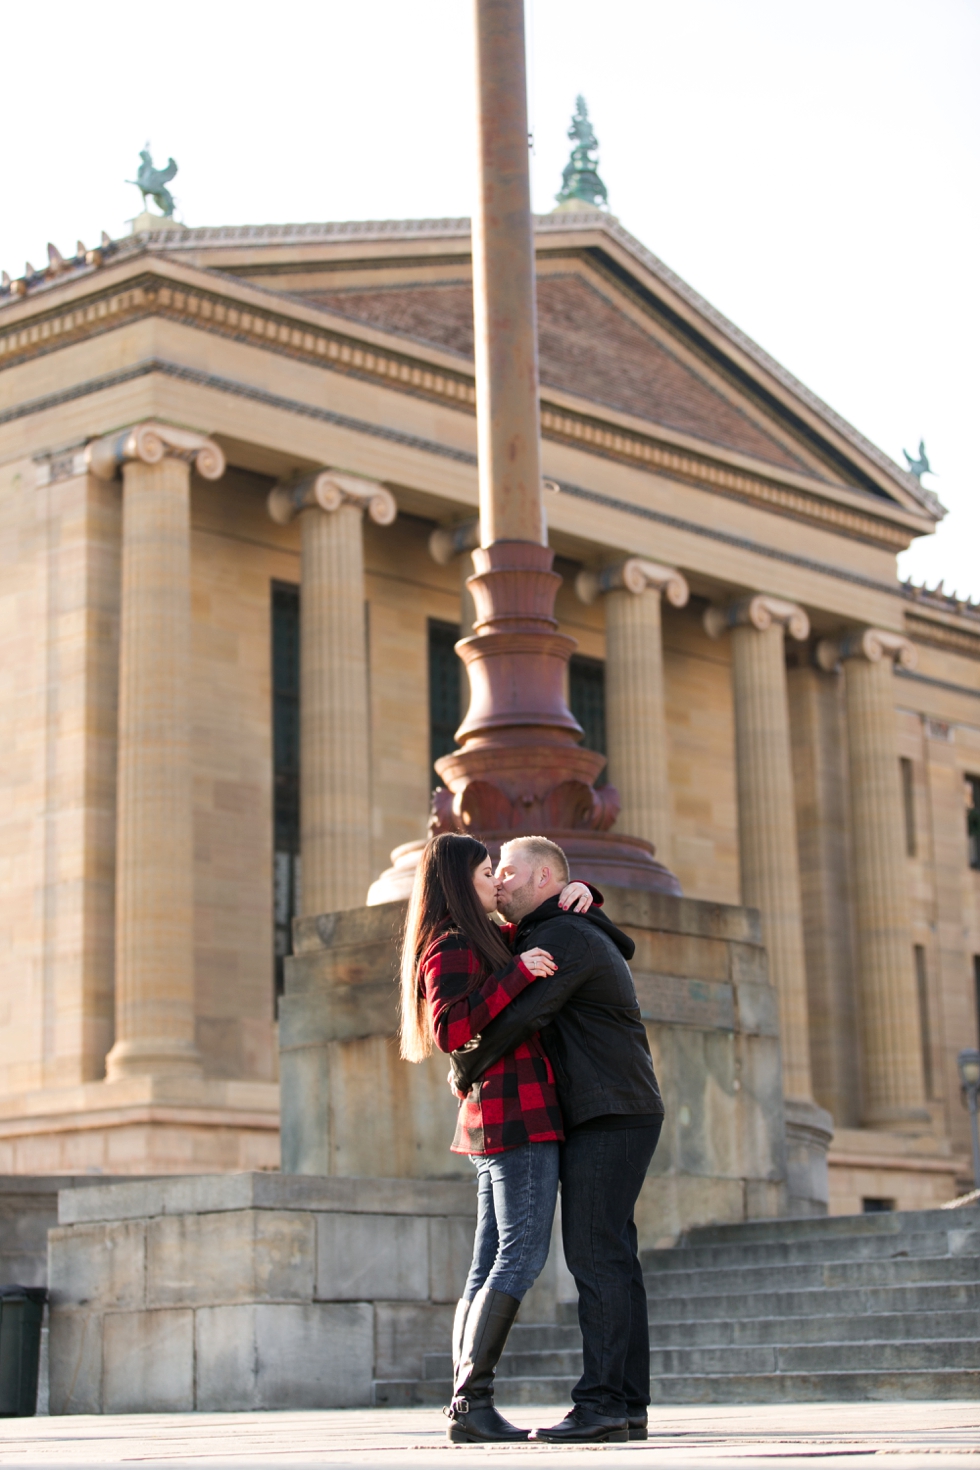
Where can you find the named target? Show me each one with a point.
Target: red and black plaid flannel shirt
(515, 1101)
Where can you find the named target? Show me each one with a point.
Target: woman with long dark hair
(458, 972)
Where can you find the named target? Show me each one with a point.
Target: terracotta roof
(587, 347)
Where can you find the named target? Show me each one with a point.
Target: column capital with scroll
(759, 611)
(151, 443)
(635, 574)
(328, 490)
(448, 542)
(875, 645)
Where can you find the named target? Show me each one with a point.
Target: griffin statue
(153, 182)
(921, 466)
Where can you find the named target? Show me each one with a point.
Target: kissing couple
(554, 1081)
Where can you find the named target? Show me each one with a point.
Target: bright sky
(810, 166)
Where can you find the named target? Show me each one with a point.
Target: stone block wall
(250, 1291)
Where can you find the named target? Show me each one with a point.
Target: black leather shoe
(584, 1426)
(637, 1425)
(472, 1424)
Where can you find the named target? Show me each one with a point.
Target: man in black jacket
(590, 1024)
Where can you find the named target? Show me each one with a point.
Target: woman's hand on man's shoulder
(576, 898)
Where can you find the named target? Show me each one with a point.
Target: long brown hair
(443, 898)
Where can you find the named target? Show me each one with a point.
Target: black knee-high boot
(485, 1327)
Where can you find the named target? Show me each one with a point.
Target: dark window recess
(908, 803)
(922, 986)
(973, 819)
(285, 769)
(587, 698)
(445, 670)
(877, 1206)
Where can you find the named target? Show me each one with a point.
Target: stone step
(789, 1388)
(888, 1222)
(723, 1388)
(747, 1280)
(848, 1308)
(871, 1327)
(817, 1302)
(729, 1332)
(823, 1357)
(826, 1358)
(931, 1243)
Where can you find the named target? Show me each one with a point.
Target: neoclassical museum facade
(227, 455)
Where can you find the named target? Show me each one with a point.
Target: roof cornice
(143, 283)
(580, 229)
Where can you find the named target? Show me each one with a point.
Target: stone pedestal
(351, 1107)
(250, 1291)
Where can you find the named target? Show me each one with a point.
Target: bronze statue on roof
(921, 466)
(580, 180)
(153, 182)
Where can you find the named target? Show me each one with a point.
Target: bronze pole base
(520, 768)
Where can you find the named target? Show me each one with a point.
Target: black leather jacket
(587, 1014)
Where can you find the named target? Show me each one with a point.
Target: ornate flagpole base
(520, 767)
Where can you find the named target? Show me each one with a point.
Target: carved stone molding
(448, 542)
(152, 442)
(635, 575)
(329, 490)
(873, 644)
(62, 464)
(759, 611)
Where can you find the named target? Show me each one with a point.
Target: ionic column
(636, 726)
(892, 1085)
(154, 984)
(766, 809)
(770, 865)
(335, 809)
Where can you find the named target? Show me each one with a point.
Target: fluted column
(892, 1084)
(636, 725)
(154, 984)
(766, 810)
(335, 809)
(770, 865)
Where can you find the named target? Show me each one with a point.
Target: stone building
(202, 429)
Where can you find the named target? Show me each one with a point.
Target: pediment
(588, 347)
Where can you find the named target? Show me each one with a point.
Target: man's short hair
(539, 851)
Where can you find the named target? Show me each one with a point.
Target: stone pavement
(745, 1437)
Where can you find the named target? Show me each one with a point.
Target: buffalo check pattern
(515, 1101)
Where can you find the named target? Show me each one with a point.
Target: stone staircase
(883, 1306)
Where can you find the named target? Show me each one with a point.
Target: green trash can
(21, 1311)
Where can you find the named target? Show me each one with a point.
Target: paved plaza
(743, 1436)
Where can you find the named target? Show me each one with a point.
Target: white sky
(810, 166)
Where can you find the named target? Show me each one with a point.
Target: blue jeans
(516, 1196)
(601, 1177)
